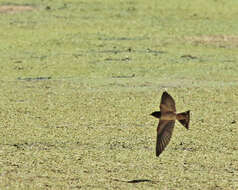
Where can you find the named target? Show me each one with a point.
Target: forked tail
(184, 118)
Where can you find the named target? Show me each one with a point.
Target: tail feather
(184, 118)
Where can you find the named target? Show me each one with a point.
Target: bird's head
(156, 114)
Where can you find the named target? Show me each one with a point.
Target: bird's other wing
(164, 133)
(167, 103)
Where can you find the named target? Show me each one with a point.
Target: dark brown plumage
(167, 116)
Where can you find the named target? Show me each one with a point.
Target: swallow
(167, 117)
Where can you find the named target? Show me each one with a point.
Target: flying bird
(167, 116)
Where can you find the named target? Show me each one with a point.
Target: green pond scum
(79, 79)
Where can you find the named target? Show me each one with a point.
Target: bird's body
(167, 117)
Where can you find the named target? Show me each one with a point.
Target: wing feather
(164, 133)
(167, 103)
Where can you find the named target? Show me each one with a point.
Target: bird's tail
(184, 118)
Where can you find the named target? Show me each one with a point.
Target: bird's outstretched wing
(164, 133)
(167, 103)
